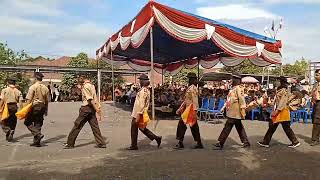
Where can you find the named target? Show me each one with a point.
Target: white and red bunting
(236, 46)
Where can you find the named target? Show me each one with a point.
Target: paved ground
(19, 161)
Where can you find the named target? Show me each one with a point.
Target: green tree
(298, 70)
(83, 61)
(181, 77)
(246, 67)
(9, 57)
(80, 61)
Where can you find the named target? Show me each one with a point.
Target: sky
(55, 28)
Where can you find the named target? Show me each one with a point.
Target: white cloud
(84, 37)
(292, 1)
(258, 2)
(234, 11)
(31, 7)
(43, 27)
(17, 26)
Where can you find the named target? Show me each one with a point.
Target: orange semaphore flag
(189, 116)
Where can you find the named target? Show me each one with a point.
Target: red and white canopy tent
(164, 39)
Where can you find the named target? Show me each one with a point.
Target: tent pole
(262, 79)
(152, 73)
(112, 74)
(198, 69)
(99, 84)
(99, 80)
(162, 77)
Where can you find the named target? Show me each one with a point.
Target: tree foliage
(298, 69)
(9, 57)
(246, 67)
(181, 77)
(83, 61)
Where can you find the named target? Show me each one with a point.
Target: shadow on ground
(277, 162)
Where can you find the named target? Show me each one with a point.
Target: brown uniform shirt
(191, 97)
(235, 102)
(142, 101)
(11, 94)
(316, 92)
(38, 93)
(88, 93)
(281, 99)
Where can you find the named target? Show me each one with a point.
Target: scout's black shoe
(132, 148)
(314, 143)
(102, 146)
(35, 144)
(159, 141)
(245, 145)
(198, 146)
(10, 136)
(217, 146)
(179, 146)
(37, 140)
(294, 145)
(262, 144)
(67, 146)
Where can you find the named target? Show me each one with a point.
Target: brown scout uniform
(12, 96)
(235, 105)
(87, 113)
(316, 112)
(141, 103)
(191, 97)
(38, 95)
(281, 102)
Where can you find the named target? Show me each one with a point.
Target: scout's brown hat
(283, 79)
(192, 75)
(12, 78)
(144, 77)
(38, 75)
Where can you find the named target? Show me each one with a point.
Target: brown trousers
(34, 119)
(287, 129)
(182, 128)
(134, 133)
(10, 123)
(86, 114)
(316, 132)
(227, 129)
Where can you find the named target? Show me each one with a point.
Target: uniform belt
(12, 103)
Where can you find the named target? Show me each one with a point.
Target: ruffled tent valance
(182, 39)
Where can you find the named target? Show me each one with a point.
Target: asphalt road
(20, 161)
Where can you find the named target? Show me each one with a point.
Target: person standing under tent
(235, 112)
(316, 110)
(38, 95)
(56, 92)
(11, 96)
(141, 105)
(281, 115)
(87, 113)
(188, 111)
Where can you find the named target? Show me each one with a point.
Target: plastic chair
(210, 107)
(204, 107)
(293, 116)
(307, 116)
(253, 112)
(305, 113)
(216, 112)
